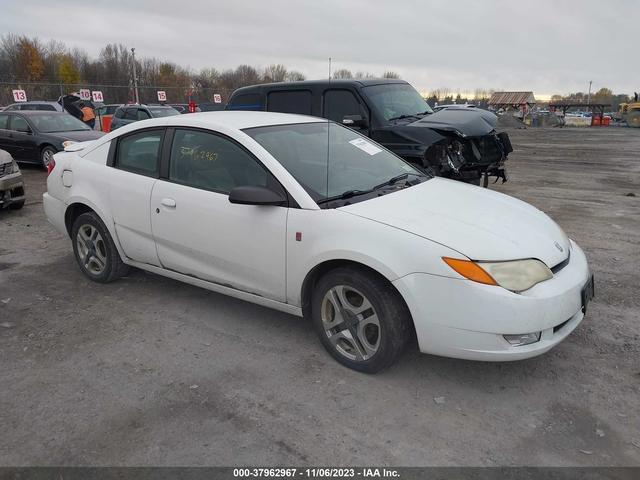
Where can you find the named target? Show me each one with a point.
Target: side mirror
(255, 195)
(355, 121)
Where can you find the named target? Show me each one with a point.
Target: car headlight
(66, 143)
(14, 167)
(514, 275)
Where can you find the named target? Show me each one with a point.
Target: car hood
(5, 157)
(478, 223)
(77, 136)
(470, 122)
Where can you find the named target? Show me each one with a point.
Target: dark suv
(127, 114)
(456, 143)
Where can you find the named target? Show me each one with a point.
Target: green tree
(67, 71)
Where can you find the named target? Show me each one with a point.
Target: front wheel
(95, 251)
(361, 319)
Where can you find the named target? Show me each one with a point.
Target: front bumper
(464, 319)
(11, 189)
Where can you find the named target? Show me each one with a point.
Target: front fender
(332, 234)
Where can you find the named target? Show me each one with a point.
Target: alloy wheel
(350, 322)
(92, 251)
(47, 156)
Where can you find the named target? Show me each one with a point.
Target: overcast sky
(548, 46)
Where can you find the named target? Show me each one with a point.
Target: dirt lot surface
(149, 371)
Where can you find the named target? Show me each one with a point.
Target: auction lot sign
(19, 95)
(97, 96)
(162, 96)
(85, 94)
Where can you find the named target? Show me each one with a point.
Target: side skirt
(224, 290)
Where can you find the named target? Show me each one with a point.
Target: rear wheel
(46, 155)
(361, 319)
(95, 251)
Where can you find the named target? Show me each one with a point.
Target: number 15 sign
(19, 96)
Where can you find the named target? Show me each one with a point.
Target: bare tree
(275, 73)
(295, 76)
(390, 74)
(343, 73)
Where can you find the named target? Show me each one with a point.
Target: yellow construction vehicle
(630, 112)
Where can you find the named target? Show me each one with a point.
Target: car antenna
(328, 127)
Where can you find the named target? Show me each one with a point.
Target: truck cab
(461, 144)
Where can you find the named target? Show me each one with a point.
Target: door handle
(168, 202)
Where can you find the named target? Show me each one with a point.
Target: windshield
(328, 159)
(56, 122)
(397, 100)
(163, 112)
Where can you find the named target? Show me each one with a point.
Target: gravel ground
(149, 371)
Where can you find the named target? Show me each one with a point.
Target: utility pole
(329, 68)
(589, 96)
(135, 78)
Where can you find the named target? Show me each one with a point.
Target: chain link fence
(111, 93)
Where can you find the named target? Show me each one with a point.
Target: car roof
(34, 101)
(240, 119)
(220, 120)
(31, 113)
(363, 82)
(234, 119)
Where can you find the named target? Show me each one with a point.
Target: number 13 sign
(19, 96)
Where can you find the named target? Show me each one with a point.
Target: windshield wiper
(397, 178)
(414, 115)
(344, 195)
(353, 193)
(402, 117)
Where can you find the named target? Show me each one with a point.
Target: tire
(372, 327)
(46, 154)
(95, 251)
(16, 205)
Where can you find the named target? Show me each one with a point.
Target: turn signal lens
(470, 270)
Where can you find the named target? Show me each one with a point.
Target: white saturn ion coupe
(311, 218)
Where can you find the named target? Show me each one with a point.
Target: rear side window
(131, 114)
(4, 122)
(19, 124)
(143, 115)
(339, 103)
(139, 152)
(292, 101)
(247, 101)
(119, 113)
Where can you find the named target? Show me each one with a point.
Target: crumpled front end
(468, 146)
(469, 158)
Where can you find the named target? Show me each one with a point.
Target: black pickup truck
(456, 143)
